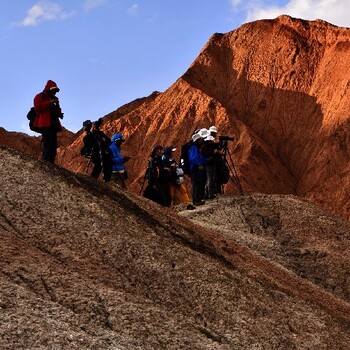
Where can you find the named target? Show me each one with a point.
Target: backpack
(31, 116)
(184, 163)
(89, 143)
(180, 176)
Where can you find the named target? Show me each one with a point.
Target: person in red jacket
(47, 122)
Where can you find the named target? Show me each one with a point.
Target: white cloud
(134, 9)
(235, 3)
(333, 11)
(44, 11)
(92, 4)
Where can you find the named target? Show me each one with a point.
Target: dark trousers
(49, 146)
(119, 179)
(102, 162)
(211, 184)
(198, 180)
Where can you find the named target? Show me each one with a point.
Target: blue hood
(117, 137)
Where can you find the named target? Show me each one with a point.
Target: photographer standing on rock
(47, 121)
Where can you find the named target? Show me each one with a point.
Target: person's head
(51, 88)
(87, 125)
(118, 138)
(197, 139)
(97, 124)
(168, 151)
(209, 139)
(157, 151)
(204, 132)
(213, 130)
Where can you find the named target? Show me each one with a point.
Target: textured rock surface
(32, 144)
(86, 266)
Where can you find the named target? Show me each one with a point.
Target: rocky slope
(88, 266)
(281, 87)
(32, 144)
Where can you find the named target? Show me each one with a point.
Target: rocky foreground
(87, 266)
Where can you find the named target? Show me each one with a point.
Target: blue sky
(105, 53)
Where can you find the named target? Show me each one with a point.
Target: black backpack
(184, 163)
(31, 116)
(89, 144)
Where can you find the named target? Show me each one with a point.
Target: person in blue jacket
(119, 173)
(197, 170)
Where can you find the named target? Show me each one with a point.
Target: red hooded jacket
(48, 114)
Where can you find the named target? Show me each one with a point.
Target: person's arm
(42, 104)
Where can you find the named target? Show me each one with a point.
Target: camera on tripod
(226, 138)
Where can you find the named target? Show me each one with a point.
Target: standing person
(217, 156)
(119, 173)
(101, 154)
(153, 189)
(47, 122)
(197, 171)
(208, 152)
(177, 187)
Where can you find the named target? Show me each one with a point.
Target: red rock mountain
(281, 87)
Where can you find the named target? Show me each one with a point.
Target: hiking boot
(190, 207)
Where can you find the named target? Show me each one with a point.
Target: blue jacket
(195, 158)
(117, 158)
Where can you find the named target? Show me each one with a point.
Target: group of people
(202, 157)
(165, 179)
(105, 153)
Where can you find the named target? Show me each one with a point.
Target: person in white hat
(213, 131)
(204, 133)
(197, 171)
(208, 152)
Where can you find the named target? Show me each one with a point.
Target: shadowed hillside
(86, 266)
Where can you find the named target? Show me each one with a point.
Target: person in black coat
(96, 147)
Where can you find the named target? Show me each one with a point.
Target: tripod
(231, 166)
(147, 175)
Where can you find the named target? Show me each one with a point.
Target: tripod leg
(234, 177)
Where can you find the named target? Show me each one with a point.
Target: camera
(226, 138)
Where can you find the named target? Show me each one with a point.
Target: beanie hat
(167, 150)
(51, 86)
(87, 125)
